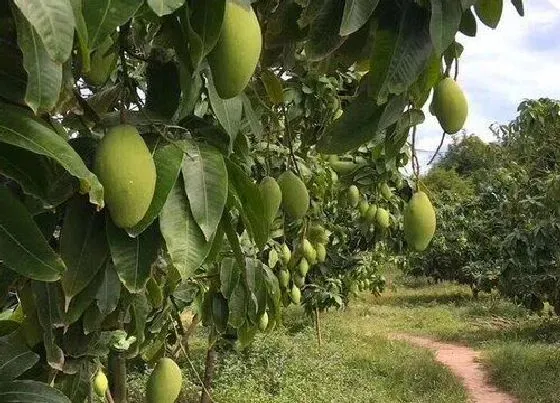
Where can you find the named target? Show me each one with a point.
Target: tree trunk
(117, 376)
(318, 326)
(211, 358)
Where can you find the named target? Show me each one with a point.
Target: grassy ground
(356, 363)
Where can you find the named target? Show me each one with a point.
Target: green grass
(356, 362)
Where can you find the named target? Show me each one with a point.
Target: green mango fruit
(353, 195)
(303, 267)
(126, 169)
(363, 207)
(382, 218)
(419, 221)
(371, 213)
(272, 197)
(309, 251)
(321, 252)
(263, 322)
(299, 281)
(386, 191)
(272, 258)
(164, 383)
(343, 167)
(103, 62)
(295, 295)
(100, 384)
(234, 58)
(295, 198)
(450, 106)
(286, 253)
(283, 278)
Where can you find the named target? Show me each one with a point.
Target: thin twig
(123, 32)
(456, 68)
(182, 348)
(437, 149)
(290, 139)
(415, 164)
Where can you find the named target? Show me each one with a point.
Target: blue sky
(499, 68)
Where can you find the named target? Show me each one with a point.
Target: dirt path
(463, 362)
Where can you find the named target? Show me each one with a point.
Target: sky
(499, 68)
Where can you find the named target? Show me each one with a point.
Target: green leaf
(229, 276)
(397, 60)
(53, 20)
(204, 27)
(356, 14)
(356, 126)
(248, 200)
(22, 245)
(83, 300)
(323, 37)
(206, 185)
(163, 87)
(468, 23)
(220, 312)
(254, 122)
(48, 300)
(15, 357)
(140, 309)
(273, 87)
(164, 7)
(184, 240)
(104, 16)
(37, 175)
(228, 111)
(168, 159)
(30, 392)
(518, 4)
(83, 246)
(109, 291)
(19, 128)
(432, 74)
(133, 257)
(237, 303)
(44, 76)
(445, 21)
(246, 334)
(489, 12)
(81, 31)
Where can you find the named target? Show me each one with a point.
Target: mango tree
(125, 191)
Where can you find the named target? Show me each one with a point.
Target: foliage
(499, 223)
(92, 294)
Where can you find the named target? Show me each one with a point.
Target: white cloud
(499, 68)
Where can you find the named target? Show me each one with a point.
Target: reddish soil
(464, 363)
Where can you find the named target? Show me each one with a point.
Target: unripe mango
(283, 278)
(353, 195)
(321, 252)
(272, 197)
(371, 213)
(299, 281)
(286, 253)
(126, 169)
(303, 267)
(263, 322)
(449, 105)
(363, 207)
(295, 294)
(382, 218)
(295, 199)
(386, 191)
(164, 383)
(308, 250)
(100, 384)
(419, 221)
(234, 58)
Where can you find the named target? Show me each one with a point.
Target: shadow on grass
(433, 298)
